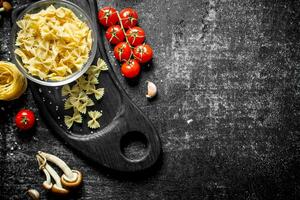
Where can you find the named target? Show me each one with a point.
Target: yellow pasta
(98, 93)
(53, 43)
(78, 95)
(69, 120)
(95, 70)
(12, 83)
(93, 123)
(68, 105)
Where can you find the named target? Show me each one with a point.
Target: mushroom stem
(61, 164)
(54, 175)
(47, 184)
(57, 187)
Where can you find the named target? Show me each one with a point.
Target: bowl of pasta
(54, 42)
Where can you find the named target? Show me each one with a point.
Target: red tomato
(143, 53)
(129, 17)
(25, 119)
(135, 36)
(115, 34)
(130, 69)
(122, 51)
(108, 16)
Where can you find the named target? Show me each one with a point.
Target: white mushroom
(57, 186)
(33, 194)
(152, 90)
(47, 184)
(70, 178)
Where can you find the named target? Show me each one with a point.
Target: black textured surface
(227, 110)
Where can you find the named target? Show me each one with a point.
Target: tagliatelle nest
(12, 83)
(78, 96)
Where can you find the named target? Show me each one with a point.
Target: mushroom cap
(47, 186)
(7, 6)
(75, 183)
(59, 190)
(33, 194)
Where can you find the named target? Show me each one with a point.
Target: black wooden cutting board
(121, 118)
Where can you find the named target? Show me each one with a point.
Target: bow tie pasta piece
(93, 123)
(67, 90)
(54, 42)
(96, 69)
(78, 96)
(98, 93)
(69, 120)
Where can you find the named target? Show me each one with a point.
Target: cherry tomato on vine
(143, 53)
(122, 51)
(25, 119)
(108, 16)
(129, 17)
(115, 34)
(135, 36)
(130, 69)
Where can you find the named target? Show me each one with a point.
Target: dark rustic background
(227, 111)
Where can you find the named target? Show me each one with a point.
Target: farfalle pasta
(93, 123)
(78, 95)
(53, 43)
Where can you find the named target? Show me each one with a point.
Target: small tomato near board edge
(114, 34)
(130, 69)
(108, 16)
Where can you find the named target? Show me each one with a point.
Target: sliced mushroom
(70, 178)
(57, 187)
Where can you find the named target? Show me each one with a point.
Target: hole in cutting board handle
(134, 146)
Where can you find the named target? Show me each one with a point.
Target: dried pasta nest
(12, 83)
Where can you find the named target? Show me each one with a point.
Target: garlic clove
(33, 194)
(152, 90)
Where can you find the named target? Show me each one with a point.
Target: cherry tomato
(130, 69)
(114, 34)
(25, 119)
(129, 17)
(135, 36)
(122, 51)
(143, 53)
(108, 16)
